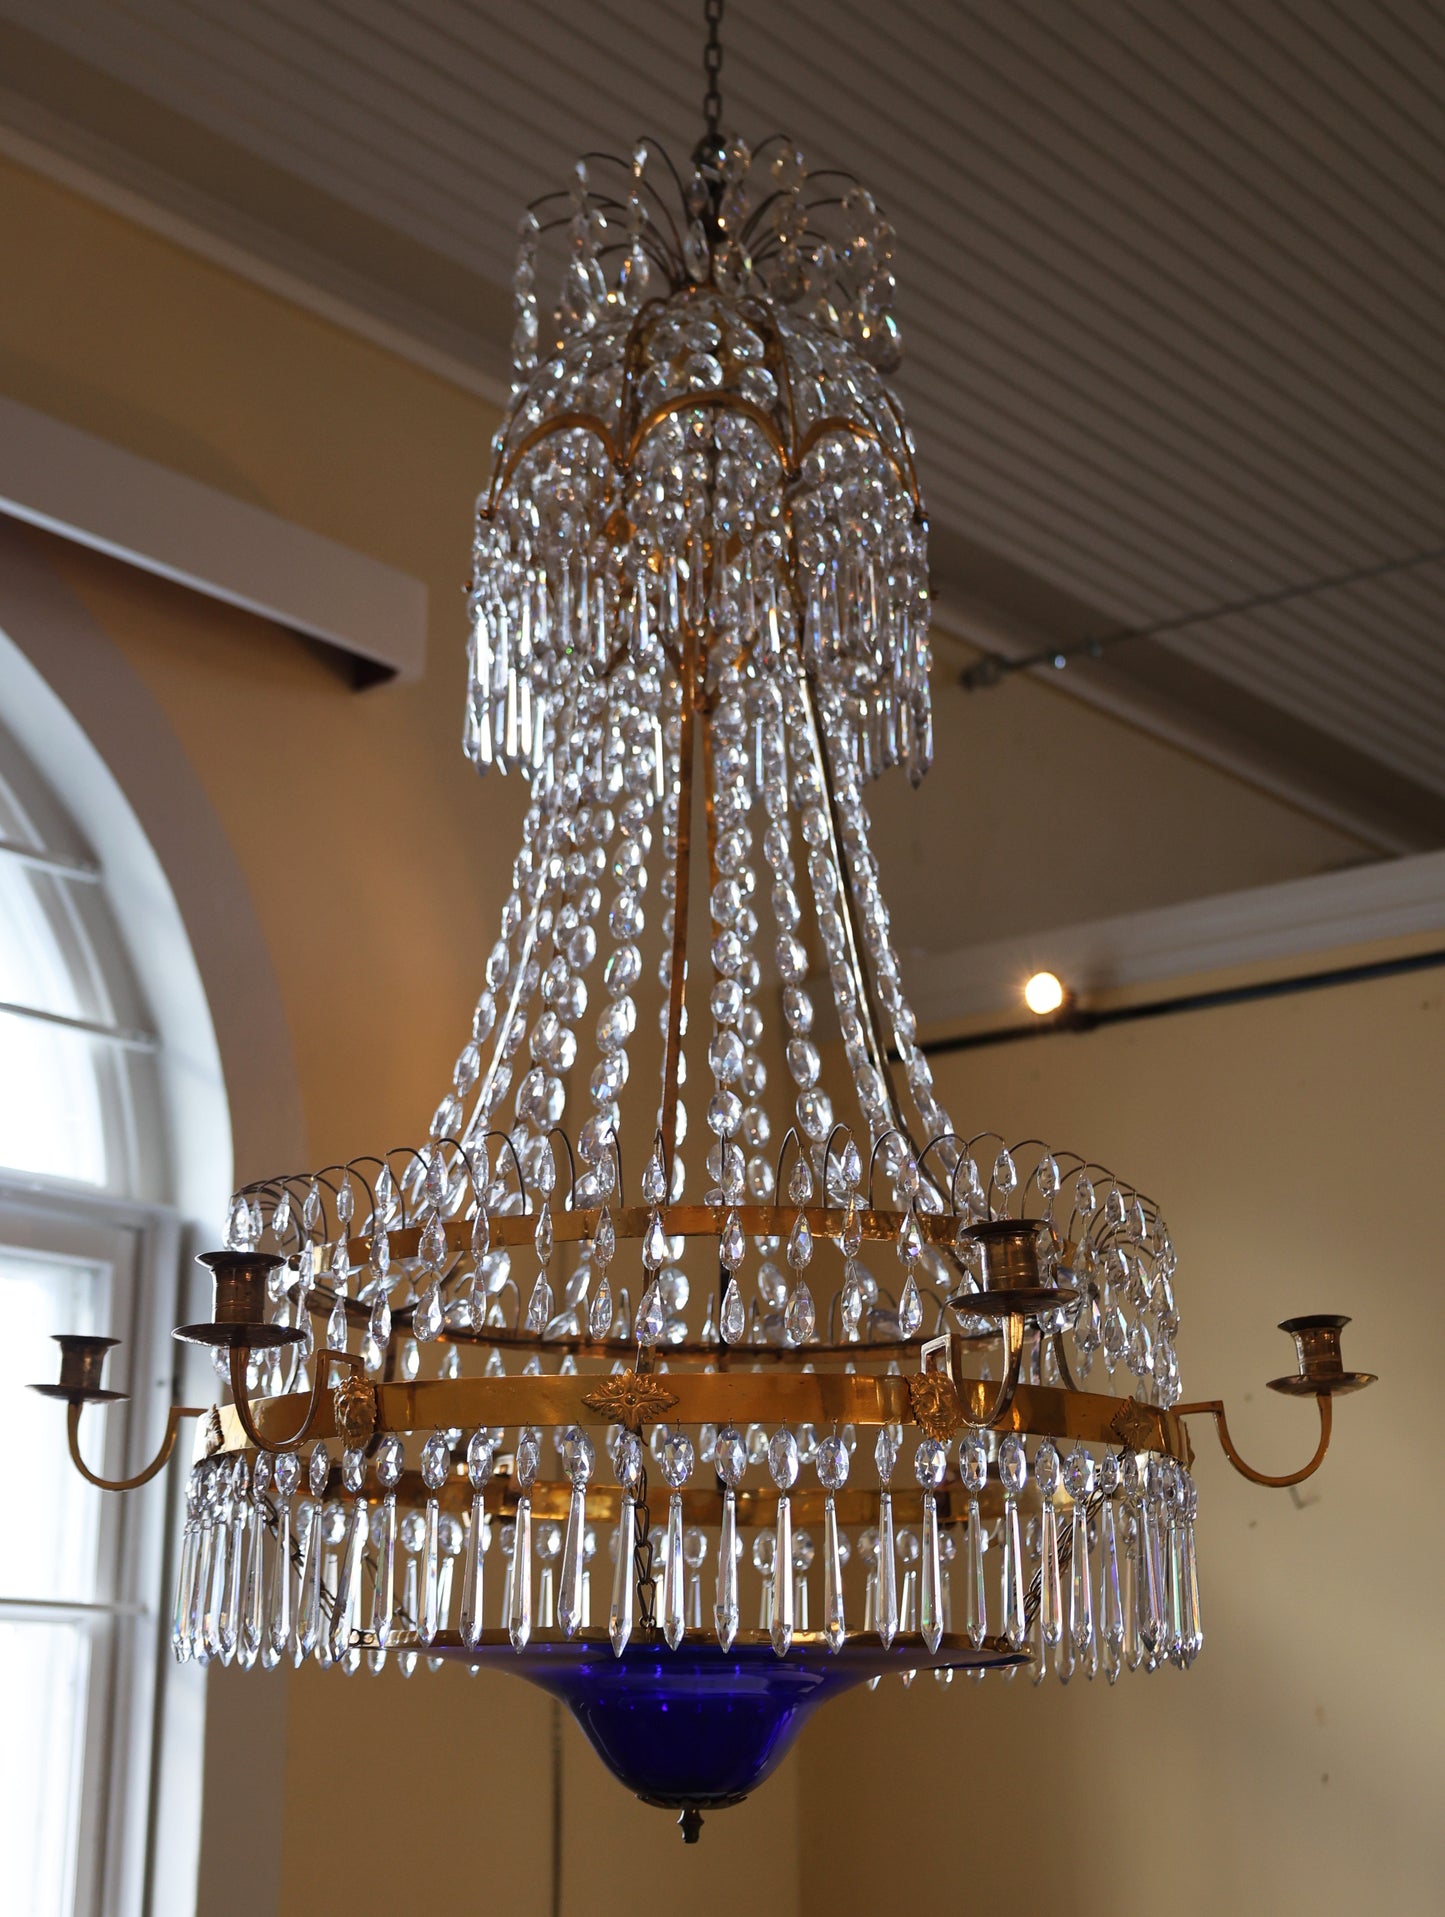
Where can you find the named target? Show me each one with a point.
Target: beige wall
(1296, 1145)
(377, 865)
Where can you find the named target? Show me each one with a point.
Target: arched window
(89, 1241)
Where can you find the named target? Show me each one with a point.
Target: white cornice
(1299, 919)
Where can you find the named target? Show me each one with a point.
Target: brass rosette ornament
(697, 1366)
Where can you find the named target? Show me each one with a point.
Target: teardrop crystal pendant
(835, 1627)
(885, 1599)
(619, 1618)
(781, 1627)
(519, 1616)
(674, 1576)
(930, 1603)
(725, 1611)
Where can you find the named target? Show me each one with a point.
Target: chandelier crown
(709, 440)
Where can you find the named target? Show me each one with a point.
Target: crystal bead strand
(885, 1601)
(863, 872)
(832, 1462)
(973, 1470)
(930, 1467)
(783, 1467)
(677, 1463)
(519, 1617)
(1013, 1475)
(480, 1460)
(730, 1461)
(811, 801)
(579, 1458)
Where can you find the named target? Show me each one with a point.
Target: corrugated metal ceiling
(1171, 276)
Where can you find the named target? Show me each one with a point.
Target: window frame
(129, 1623)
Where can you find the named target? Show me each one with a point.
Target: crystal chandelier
(876, 1395)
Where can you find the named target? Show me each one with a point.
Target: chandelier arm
(1013, 1336)
(239, 1357)
(1214, 1408)
(677, 976)
(157, 1463)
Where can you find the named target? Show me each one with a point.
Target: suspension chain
(643, 1573)
(712, 64)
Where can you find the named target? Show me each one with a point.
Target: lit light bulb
(1044, 994)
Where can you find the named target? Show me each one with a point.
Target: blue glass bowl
(699, 1728)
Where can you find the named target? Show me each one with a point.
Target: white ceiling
(1171, 282)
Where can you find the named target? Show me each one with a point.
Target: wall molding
(1268, 924)
(85, 489)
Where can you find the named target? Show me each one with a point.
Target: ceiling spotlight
(1044, 994)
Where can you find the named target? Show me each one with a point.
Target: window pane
(48, 1506)
(57, 1127)
(44, 1670)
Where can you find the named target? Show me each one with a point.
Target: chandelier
(697, 1366)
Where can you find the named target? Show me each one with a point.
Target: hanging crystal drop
(654, 1243)
(734, 1314)
(345, 1616)
(732, 1244)
(674, 1576)
(1051, 1612)
(380, 1324)
(427, 1318)
(578, 1457)
(651, 1319)
(1079, 1483)
(308, 1607)
(619, 1617)
(801, 1316)
(654, 1180)
(910, 1308)
(253, 1598)
(800, 1242)
(600, 1310)
(480, 1459)
(519, 1615)
(1013, 1474)
(604, 1239)
(910, 1238)
(885, 1596)
(278, 1629)
(433, 1243)
(930, 1468)
(539, 1305)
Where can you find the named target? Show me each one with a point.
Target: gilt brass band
(738, 1397)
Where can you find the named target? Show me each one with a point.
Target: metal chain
(643, 1573)
(712, 64)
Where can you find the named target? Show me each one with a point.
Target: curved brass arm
(1215, 1409)
(158, 1463)
(1013, 1344)
(239, 1360)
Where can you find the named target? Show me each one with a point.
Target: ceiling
(1171, 284)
